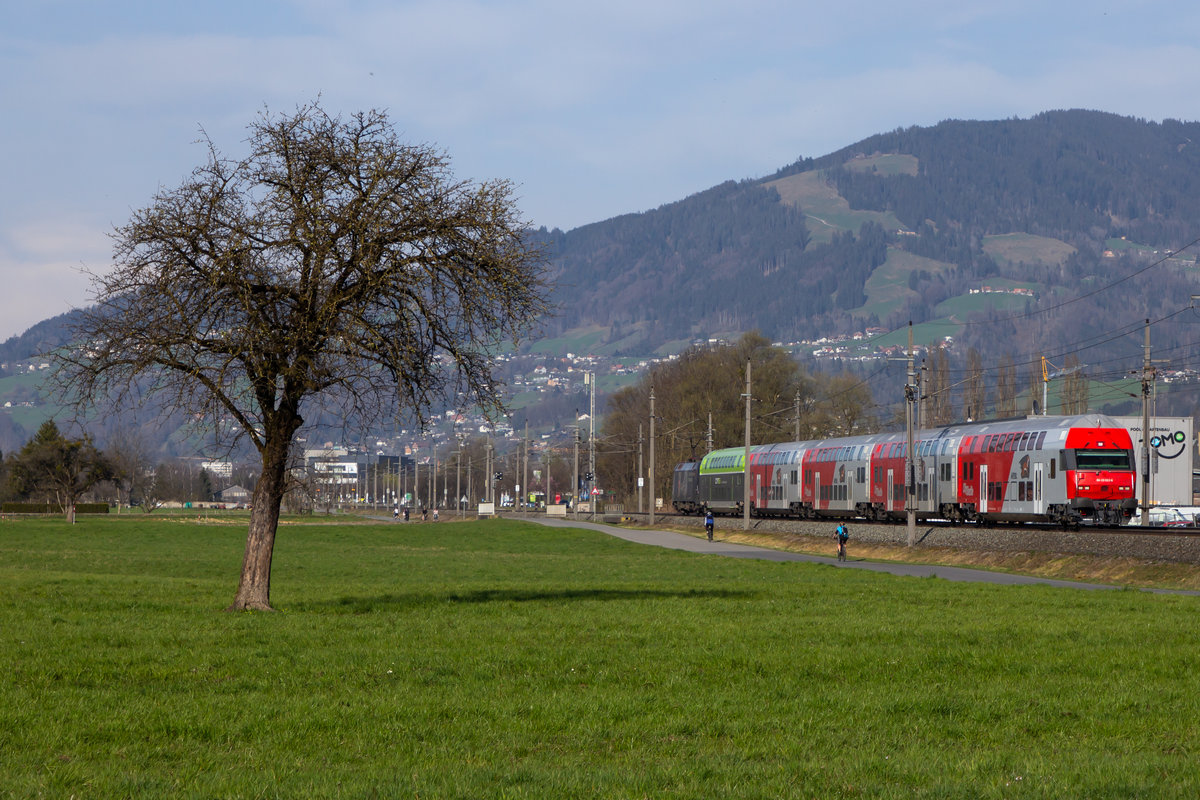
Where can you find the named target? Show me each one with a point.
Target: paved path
(694, 544)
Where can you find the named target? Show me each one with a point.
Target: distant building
(234, 494)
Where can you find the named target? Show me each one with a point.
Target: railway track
(1165, 544)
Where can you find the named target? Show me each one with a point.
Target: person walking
(708, 525)
(842, 533)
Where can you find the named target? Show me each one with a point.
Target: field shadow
(364, 605)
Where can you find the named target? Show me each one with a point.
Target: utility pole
(1147, 381)
(922, 382)
(797, 406)
(651, 457)
(590, 377)
(489, 475)
(746, 466)
(641, 470)
(575, 491)
(525, 468)
(710, 435)
(458, 479)
(910, 489)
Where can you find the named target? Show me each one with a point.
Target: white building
(1172, 449)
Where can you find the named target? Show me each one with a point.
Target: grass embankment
(1134, 573)
(503, 659)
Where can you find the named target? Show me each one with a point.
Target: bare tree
(334, 264)
(1006, 388)
(976, 395)
(1036, 387)
(129, 457)
(941, 410)
(1075, 387)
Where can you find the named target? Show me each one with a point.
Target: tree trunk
(254, 591)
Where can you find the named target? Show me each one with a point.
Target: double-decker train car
(1036, 469)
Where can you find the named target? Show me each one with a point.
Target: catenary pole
(592, 440)
(641, 470)
(910, 489)
(746, 467)
(651, 456)
(1147, 379)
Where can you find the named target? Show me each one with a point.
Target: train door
(1039, 502)
(983, 489)
(931, 489)
(816, 489)
(890, 505)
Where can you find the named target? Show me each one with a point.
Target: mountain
(965, 228)
(902, 226)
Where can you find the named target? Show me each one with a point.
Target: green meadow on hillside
(826, 210)
(504, 659)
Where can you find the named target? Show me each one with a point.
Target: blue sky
(592, 109)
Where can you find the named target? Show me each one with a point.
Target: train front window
(1102, 459)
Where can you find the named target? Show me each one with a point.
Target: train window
(1041, 440)
(1051, 467)
(1102, 459)
(861, 474)
(795, 477)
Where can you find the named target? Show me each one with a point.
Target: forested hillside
(820, 247)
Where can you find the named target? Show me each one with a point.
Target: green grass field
(1015, 248)
(503, 659)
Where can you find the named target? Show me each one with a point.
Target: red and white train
(1039, 469)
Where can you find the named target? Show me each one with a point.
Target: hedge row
(52, 508)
